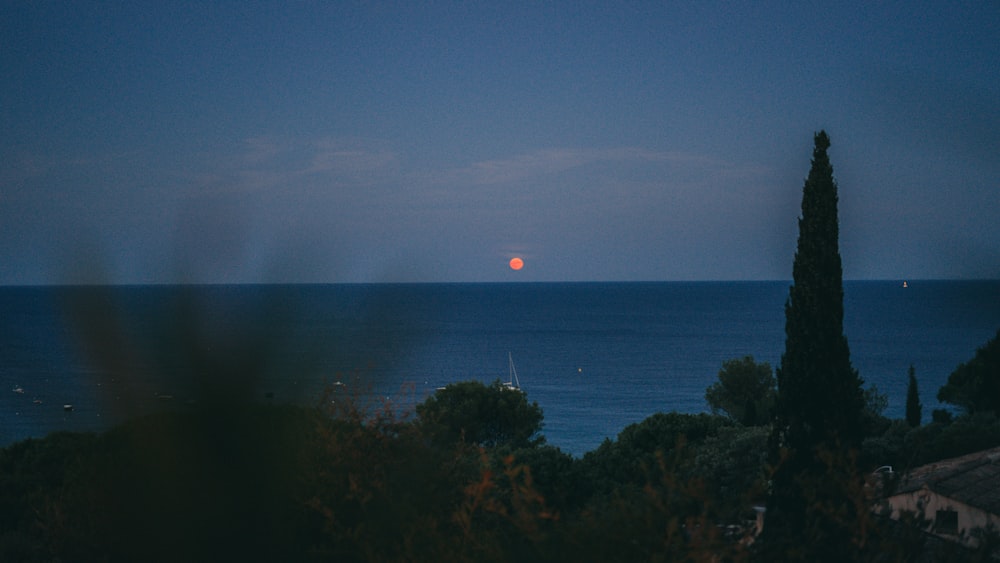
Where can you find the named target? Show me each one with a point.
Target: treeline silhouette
(466, 477)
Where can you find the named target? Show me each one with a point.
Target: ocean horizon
(596, 356)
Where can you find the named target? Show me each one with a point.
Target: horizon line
(70, 285)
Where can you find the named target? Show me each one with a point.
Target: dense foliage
(345, 483)
(745, 391)
(350, 482)
(975, 385)
(482, 415)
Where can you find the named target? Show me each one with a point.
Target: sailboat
(512, 382)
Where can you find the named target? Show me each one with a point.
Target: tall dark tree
(819, 412)
(914, 410)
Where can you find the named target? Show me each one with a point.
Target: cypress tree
(914, 409)
(818, 415)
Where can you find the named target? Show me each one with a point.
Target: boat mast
(512, 375)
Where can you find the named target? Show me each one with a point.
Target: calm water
(596, 357)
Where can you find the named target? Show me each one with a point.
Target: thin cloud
(264, 164)
(337, 156)
(546, 162)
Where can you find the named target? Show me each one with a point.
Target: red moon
(516, 263)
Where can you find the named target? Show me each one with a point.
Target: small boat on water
(512, 382)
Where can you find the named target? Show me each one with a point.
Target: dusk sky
(223, 142)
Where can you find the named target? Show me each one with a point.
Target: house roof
(972, 479)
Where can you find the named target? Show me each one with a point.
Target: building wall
(927, 503)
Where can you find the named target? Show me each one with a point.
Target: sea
(596, 357)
